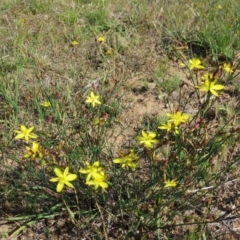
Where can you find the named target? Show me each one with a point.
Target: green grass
(138, 82)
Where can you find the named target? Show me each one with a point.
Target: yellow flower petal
(58, 172)
(60, 186)
(33, 135)
(19, 136)
(23, 128)
(117, 160)
(214, 92)
(83, 170)
(65, 173)
(69, 184)
(103, 185)
(218, 87)
(71, 177)
(96, 164)
(54, 179)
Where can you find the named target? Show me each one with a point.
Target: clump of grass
(170, 84)
(193, 26)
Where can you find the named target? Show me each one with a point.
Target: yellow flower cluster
(196, 64)
(209, 84)
(175, 120)
(95, 175)
(35, 150)
(105, 48)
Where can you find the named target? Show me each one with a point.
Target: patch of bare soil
(59, 229)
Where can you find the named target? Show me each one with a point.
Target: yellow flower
(127, 161)
(177, 118)
(100, 120)
(193, 64)
(25, 133)
(93, 99)
(209, 84)
(169, 126)
(169, 183)
(95, 175)
(96, 121)
(147, 139)
(92, 170)
(46, 104)
(74, 43)
(108, 51)
(34, 151)
(63, 178)
(98, 181)
(219, 6)
(227, 67)
(208, 76)
(101, 39)
(22, 21)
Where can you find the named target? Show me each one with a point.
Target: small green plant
(70, 16)
(169, 85)
(98, 19)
